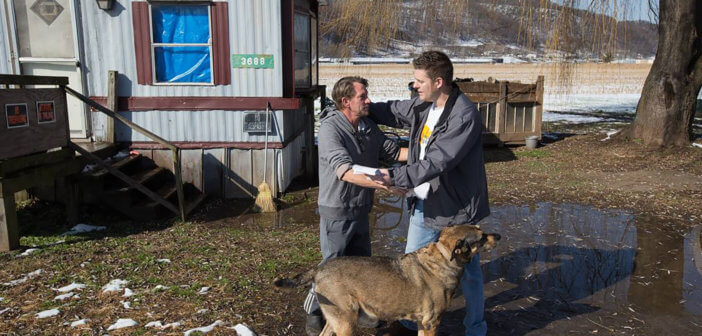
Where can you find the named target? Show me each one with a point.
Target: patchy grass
(238, 253)
(534, 153)
(236, 259)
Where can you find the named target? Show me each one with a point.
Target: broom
(264, 199)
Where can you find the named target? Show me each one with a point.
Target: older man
(347, 137)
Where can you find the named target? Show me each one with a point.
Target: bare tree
(666, 109)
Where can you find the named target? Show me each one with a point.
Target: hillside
(485, 28)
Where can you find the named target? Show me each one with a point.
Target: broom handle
(265, 150)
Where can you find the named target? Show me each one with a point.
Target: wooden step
(167, 190)
(119, 164)
(145, 176)
(192, 203)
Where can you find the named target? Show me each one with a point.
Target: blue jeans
(471, 284)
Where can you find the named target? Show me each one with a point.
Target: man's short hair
(344, 88)
(436, 64)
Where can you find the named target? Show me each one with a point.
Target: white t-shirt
(422, 190)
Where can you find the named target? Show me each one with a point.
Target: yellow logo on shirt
(426, 133)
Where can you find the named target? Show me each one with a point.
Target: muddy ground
(599, 237)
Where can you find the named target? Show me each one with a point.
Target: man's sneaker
(396, 329)
(314, 324)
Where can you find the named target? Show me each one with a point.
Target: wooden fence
(511, 111)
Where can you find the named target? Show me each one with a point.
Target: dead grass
(237, 254)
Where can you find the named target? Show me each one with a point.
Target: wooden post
(112, 101)
(539, 105)
(501, 114)
(9, 234)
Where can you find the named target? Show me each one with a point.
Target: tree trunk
(666, 109)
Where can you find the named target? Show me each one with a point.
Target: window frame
(154, 45)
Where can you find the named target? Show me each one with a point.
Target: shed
(197, 73)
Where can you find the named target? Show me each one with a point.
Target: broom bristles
(264, 199)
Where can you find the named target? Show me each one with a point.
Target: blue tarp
(182, 24)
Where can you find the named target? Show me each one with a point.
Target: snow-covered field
(609, 88)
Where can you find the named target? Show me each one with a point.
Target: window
(181, 44)
(302, 51)
(182, 48)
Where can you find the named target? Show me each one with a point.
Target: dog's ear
(462, 247)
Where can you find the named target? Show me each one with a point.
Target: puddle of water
(578, 260)
(563, 268)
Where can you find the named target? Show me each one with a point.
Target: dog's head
(464, 241)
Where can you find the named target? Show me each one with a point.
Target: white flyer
(358, 169)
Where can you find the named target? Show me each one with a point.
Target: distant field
(389, 81)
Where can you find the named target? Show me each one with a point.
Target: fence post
(501, 114)
(539, 106)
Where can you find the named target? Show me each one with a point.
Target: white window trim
(154, 45)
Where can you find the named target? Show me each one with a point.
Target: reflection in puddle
(576, 260)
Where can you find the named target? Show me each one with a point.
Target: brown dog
(417, 286)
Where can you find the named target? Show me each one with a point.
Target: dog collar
(444, 251)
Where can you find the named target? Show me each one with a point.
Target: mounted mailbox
(32, 121)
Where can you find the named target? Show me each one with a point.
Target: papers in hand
(358, 169)
(422, 190)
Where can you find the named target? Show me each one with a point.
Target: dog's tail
(302, 279)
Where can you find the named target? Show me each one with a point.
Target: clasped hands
(382, 178)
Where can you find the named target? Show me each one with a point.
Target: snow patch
(204, 290)
(64, 296)
(696, 145)
(202, 311)
(122, 323)
(83, 228)
(73, 286)
(48, 313)
(27, 252)
(243, 330)
(126, 304)
(469, 43)
(159, 288)
(159, 325)
(128, 292)
(205, 329)
(115, 285)
(613, 103)
(79, 323)
(163, 261)
(609, 134)
(3, 311)
(24, 279)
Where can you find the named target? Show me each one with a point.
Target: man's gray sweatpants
(338, 238)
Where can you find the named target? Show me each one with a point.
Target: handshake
(379, 179)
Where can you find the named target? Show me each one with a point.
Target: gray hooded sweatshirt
(340, 147)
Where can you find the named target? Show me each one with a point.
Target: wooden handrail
(176, 154)
(124, 120)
